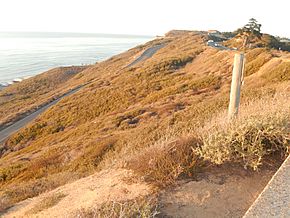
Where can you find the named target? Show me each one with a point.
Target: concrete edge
(274, 200)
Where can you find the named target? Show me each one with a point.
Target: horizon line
(76, 33)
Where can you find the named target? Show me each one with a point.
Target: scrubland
(164, 119)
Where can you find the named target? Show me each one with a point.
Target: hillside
(18, 99)
(148, 118)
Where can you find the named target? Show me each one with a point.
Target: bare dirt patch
(109, 185)
(219, 193)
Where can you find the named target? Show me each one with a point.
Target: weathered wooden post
(239, 63)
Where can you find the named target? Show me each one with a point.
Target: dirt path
(216, 194)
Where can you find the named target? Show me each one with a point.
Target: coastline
(24, 55)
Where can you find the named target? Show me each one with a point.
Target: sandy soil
(219, 193)
(105, 186)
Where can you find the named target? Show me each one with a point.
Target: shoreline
(44, 51)
(5, 127)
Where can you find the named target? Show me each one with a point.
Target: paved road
(274, 201)
(5, 133)
(217, 45)
(148, 53)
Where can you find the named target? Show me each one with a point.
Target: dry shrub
(46, 203)
(256, 64)
(166, 160)
(261, 129)
(279, 73)
(108, 99)
(18, 99)
(18, 192)
(10, 172)
(143, 208)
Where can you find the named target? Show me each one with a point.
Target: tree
(253, 28)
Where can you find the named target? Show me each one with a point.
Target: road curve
(8, 131)
(148, 53)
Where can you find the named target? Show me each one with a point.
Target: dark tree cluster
(253, 28)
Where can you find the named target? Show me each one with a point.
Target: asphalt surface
(219, 46)
(148, 53)
(5, 133)
(274, 201)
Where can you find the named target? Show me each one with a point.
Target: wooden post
(236, 85)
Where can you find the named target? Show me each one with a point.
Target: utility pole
(237, 77)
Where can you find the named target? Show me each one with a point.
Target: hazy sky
(150, 17)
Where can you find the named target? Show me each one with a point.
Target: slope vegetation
(22, 98)
(126, 111)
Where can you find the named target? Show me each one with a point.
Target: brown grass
(19, 191)
(255, 60)
(126, 111)
(21, 98)
(163, 162)
(261, 130)
(46, 203)
(279, 74)
(143, 208)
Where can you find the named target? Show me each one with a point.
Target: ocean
(23, 55)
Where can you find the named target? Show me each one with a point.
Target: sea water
(23, 55)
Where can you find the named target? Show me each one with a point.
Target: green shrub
(249, 138)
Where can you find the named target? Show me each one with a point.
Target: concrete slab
(274, 201)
